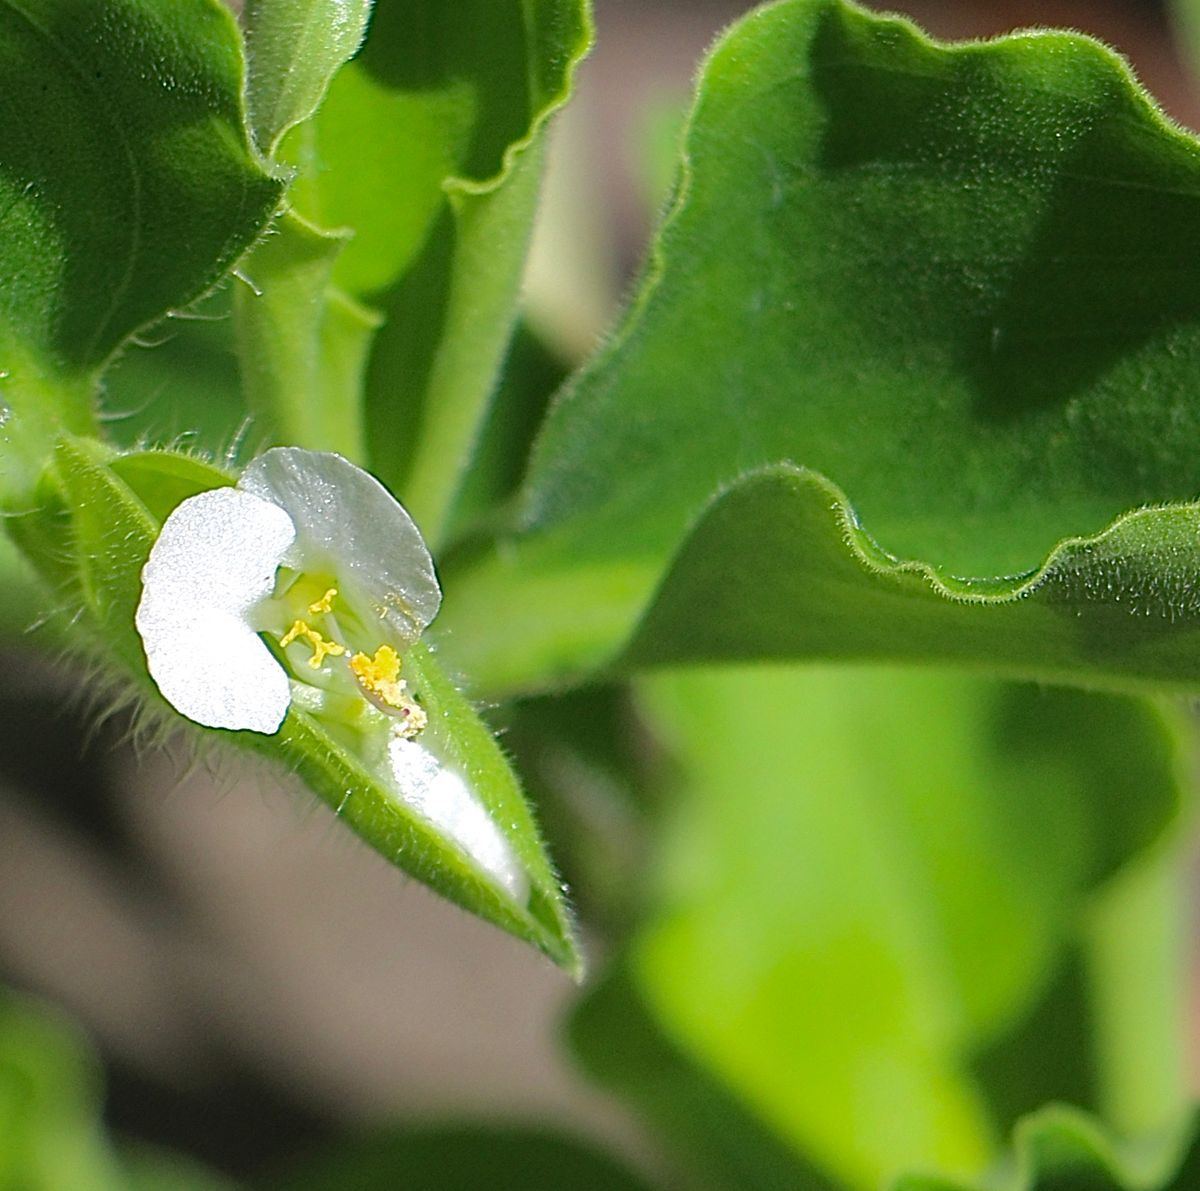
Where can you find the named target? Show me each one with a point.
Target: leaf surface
(941, 290)
(127, 188)
(879, 883)
(428, 149)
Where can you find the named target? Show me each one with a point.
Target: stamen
(324, 604)
(379, 677)
(322, 647)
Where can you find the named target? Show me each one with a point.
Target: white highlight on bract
(213, 562)
(442, 798)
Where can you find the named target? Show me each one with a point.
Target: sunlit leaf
(127, 188)
(877, 879)
(914, 304)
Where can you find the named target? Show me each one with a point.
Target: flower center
(377, 675)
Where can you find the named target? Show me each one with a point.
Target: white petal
(442, 798)
(214, 560)
(348, 523)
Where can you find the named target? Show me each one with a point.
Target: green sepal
(459, 738)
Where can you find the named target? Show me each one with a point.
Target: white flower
(315, 556)
(307, 548)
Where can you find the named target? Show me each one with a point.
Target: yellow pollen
(380, 675)
(324, 604)
(321, 647)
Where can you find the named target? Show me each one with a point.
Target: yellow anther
(324, 604)
(379, 677)
(298, 629)
(322, 648)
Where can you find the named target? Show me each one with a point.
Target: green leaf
(713, 1136)
(50, 1135)
(428, 148)
(460, 1158)
(894, 869)
(293, 50)
(930, 277)
(127, 188)
(116, 504)
(1060, 1149)
(180, 385)
(1114, 610)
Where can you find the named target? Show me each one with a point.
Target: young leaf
(293, 50)
(894, 869)
(127, 188)
(711, 1134)
(428, 148)
(951, 282)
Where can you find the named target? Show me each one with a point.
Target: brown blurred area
(253, 976)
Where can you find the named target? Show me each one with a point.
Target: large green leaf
(952, 283)
(127, 188)
(428, 149)
(715, 1138)
(722, 1146)
(116, 505)
(880, 885)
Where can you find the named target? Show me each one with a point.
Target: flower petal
(349, 524)
(214, 560)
